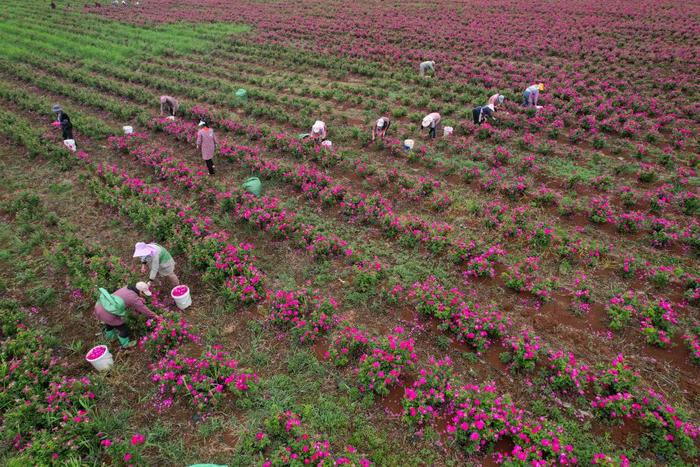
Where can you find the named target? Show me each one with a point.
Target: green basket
(253, 185)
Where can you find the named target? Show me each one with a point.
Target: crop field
(523, 292)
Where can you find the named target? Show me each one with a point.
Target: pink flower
(106, 443)
(260, 435)
(127, 457)
(137, 439)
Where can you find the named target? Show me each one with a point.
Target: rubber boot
(126, 343)
(111, 334)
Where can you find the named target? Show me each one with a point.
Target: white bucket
(408, 144)
(447, 131)
(327, 143)
(103, 362)
(538, 107)
(70, 144)
(182, 301)
(171, 117)
(128, 130)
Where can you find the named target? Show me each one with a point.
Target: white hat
(427, 120)
(202, 123)
(143, 288)
(380, 122)
(318, 126)
(142, 249)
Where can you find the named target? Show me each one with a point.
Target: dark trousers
(122, 329)
(169, 109)
(476, 114)
(210, 166)
(433, 131)
(67, 131)
(481, 113)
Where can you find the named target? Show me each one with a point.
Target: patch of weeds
(61, 187)
(443, 342)
(301, 362)
(211, 426)
(43, 296)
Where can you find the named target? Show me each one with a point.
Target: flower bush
(623, 307)
(165, 334)
(481, 417)
(524, 350)
(205, 380)
(348, 344)
(564, 373)
(383, 364)
(692, 340)
(306, 314)
(285, 441)
(431, 394)
(658, 320)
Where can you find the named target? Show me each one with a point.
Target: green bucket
(253, 185)
(242, 94)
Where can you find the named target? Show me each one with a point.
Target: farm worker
(431, 121)
(495, 100)
(484, 112)
(159, 259)
(319, 131)
(427, 66)
(206, 139)
(64, 120)
(168, 103)
(380, 128)
(110, 310)
(532, 94)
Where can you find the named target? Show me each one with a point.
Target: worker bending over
(111, 310)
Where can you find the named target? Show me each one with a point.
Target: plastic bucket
(100, 361)
(253, 185)
(171, 117)
(182, 298)
(327, 143)
(128, 130)
(242, 94)
(447, 131)
(408, 144)
(70, 144)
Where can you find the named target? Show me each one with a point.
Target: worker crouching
(111, 310)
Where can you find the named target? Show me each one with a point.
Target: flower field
(523, 292)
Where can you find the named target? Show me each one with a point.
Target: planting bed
(525, 292)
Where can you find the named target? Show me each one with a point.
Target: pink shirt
(435, 117)
(206, 139)
(493, 100)
(131, 300)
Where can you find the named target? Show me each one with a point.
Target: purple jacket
(131, 300)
